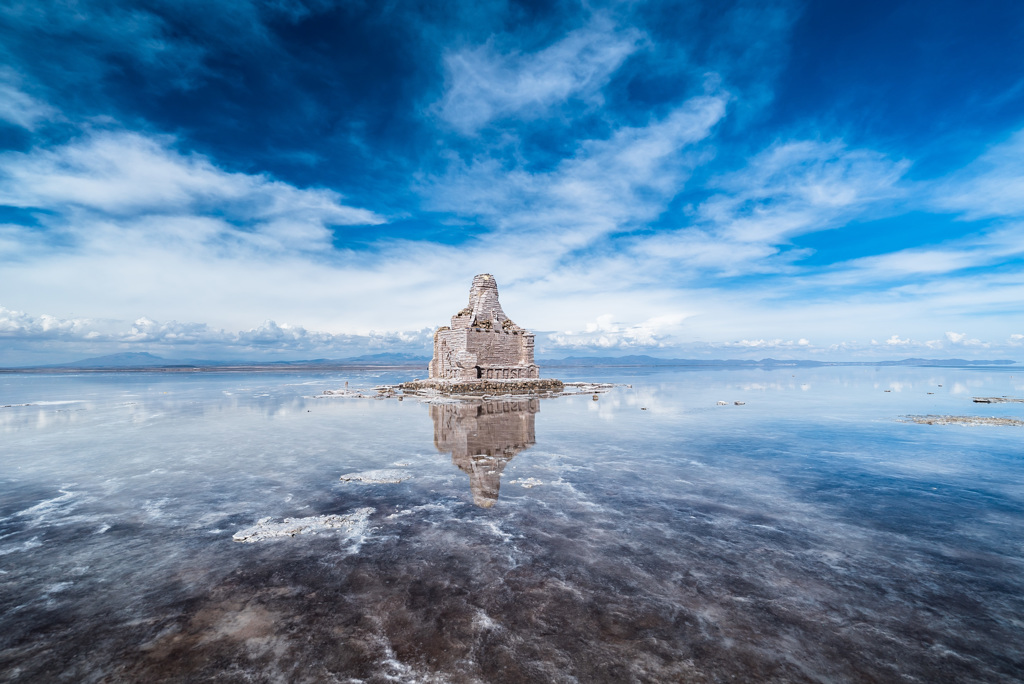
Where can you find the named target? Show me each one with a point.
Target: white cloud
(962, 340)
(131, 225)
(802, 343)
(993, 185)
(133, 175)
(788, 189)
(484, 84)
(17, 106)
(800, 186)
(949, 341)
(897, 341)
(605, 333)
(21, 330)
(18, 324)
(126, 222)
(608, 185)
(44, 339)
(931, 262)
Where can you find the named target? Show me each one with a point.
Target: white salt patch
(528, 483)
(482, 620)
(352, 524)
(415, 509)
(377, 476)
(496, 530)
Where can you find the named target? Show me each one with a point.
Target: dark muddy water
(649, 536)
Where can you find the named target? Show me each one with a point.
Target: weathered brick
(482, 343)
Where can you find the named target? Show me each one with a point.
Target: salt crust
(265, 528)
(387, 476)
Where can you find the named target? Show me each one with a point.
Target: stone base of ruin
(481, 387)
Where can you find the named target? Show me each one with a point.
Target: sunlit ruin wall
(483, 343)
(482, 438)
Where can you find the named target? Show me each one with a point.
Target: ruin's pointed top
(483, 300)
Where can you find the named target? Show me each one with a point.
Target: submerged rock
(386, 476)
(267, 528)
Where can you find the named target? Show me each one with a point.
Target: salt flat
(799, 532)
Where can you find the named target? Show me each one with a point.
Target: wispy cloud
(17, 106)
(991, 186)
(128, 182)
(789, 189)
(609, 185)
(484, 84)
(761, 344)
(793, 187)
(987, 249)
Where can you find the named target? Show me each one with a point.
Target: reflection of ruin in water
(482, 437)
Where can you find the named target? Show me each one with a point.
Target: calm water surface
(649, 536)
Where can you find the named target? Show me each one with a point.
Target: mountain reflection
(482, 437)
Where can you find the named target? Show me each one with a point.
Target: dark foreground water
(804, 536)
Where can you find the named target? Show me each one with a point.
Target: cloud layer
(641, 176)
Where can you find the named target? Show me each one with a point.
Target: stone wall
(482, 342)
(536, 386)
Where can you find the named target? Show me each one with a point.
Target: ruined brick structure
(482, 343)
(482, 438)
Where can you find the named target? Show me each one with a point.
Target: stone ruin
(482, 438)
(483, 343)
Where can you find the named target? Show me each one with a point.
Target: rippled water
(651, 535)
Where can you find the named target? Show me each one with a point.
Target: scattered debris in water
(961, 420)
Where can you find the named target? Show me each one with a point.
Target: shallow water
(651, 535)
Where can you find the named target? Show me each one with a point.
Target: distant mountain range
(591, 361)
(125, 360)
(145, 360)
(130, 360)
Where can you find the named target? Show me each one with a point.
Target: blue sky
(302, 178)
